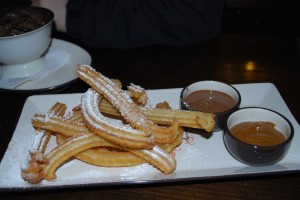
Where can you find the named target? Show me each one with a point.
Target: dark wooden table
(275, 60)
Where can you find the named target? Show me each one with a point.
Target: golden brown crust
(119, 98)
(85, 148)
(124, 136)
(87, 134)
(185, 118)
(137, 94)
(102, 156)
(132, 113)
(33, 166)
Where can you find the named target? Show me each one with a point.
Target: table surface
(229, 58)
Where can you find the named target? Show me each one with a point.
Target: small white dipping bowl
(210, 85)
(255, 155)
(20, 54)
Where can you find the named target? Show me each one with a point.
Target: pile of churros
(111, 127)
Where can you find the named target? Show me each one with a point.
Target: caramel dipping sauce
(258, 133)
(210, 101)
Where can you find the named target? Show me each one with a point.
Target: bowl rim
(286, 141)
(236, 106)
(32, 31)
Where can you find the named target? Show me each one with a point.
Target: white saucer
(65, 74)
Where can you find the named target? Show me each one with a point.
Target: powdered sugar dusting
(115, 95)
(204, 159)
(38, 140)
(91, 96)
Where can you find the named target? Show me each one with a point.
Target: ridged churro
(81, 144)
(119, 134)
(96, 156)
(33, 165)
(132, 113)
(185, 118)
(88, 132)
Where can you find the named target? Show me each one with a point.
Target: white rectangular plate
(197, 157)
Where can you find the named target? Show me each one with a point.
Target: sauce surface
(209, 101)
(258, 133)
(22, 20)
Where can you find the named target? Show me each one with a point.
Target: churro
(185, 118)
(119, 134)
(132, 113)
(32, 165)
(88, 132)
(74, 145)
(97, 156)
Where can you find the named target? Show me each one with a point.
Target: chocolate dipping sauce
(258, 133)
(16, 21)
(210, 101)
